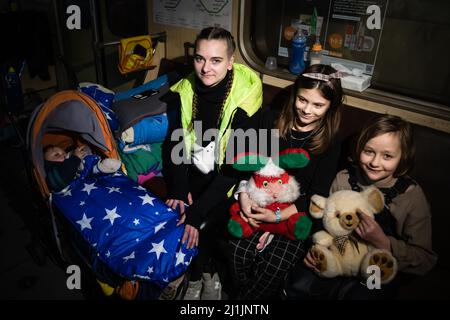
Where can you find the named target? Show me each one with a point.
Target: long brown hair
(328, 125)
(382, 124)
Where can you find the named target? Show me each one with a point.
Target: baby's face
(55, 154)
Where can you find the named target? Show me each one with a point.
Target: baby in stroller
(61, 166)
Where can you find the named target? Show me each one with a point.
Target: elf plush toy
(272, 188)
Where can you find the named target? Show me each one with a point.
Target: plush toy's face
(266, 190)
(341, 211)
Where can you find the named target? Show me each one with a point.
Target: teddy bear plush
(272, 188)
(337, 251)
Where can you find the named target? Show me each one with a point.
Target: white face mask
(203, 158)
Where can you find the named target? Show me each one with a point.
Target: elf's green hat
(249, 161)
(287, 159)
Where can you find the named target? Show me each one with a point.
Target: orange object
(128, 290)
(335, 40)
(289, 32)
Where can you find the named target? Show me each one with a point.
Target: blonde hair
(389, 124)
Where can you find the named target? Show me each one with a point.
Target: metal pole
(97, 40)
(61, 77)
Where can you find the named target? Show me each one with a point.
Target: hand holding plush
(336, 251)
(271, 189)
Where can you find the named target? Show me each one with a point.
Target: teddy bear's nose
(348, 217)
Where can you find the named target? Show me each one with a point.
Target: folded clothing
(143, 162)
(132, 110)
(148, 130)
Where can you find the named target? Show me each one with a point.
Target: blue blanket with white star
(131, 230)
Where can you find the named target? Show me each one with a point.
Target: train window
(412, 56)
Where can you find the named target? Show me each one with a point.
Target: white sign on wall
(195, 14)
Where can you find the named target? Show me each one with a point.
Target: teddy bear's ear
(316, 206)
(374, 197)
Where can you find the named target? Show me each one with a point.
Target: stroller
(114, 252)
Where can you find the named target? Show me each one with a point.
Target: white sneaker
(193, 290)
(212, 288)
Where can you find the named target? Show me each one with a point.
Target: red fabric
(259, 179)
(285, 227)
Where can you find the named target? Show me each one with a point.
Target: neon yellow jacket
(246, 93)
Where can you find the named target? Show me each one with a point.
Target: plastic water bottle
(297, 62)
(315, 55)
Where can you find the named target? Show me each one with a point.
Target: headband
(324, 77)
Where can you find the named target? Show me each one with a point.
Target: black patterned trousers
(260, 275)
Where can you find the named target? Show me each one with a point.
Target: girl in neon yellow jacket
(218, 97)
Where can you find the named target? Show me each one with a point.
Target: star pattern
(130, 229)
(85, 222)
(111, 215)
(180, 258)
(160, 226)
(158, 248)
(67, 193)
(113, 189)
(130, 256)
(147, 199)
(89, 187)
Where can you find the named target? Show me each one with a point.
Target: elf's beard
(289, 193)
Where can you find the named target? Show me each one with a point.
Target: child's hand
(180, 205)
(246, 203)
(250, 221)
(262, 214)
(191, 236)
(310, 262)
(369, 230)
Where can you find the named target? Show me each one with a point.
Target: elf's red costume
(271, 188)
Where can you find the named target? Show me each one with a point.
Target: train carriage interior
(48, 48)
